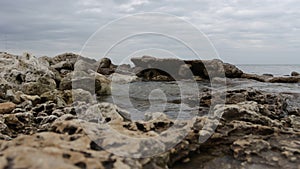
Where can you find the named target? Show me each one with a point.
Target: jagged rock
(41, 86)
(7, 107)
(61, 98)
(63, 65)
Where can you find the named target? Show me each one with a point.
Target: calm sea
(277, 70)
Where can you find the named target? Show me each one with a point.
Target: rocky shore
(43, 99)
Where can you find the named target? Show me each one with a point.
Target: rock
(106, 67)
(82, 96)
(63, 65)
(12, 121)
(105, 112)
(256, 77)
(267, 74)
(55, 151)
(70, 57)
(84, 66)
(295, 74)
(61, 98)
(231, 71)
(293, 79)
(122, 79)
(66, 82)
(102, 84)
(105, 63)
(85, 81)
(41, 86)
(35, 99)
(7, 107)
(12, 96)
(184, 69)
(271, 79)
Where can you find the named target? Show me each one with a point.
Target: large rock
(19, 70)
(184, 69)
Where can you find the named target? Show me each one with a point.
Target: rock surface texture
(49, 118)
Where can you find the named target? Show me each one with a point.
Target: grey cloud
(242, 31)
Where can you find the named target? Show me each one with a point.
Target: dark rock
(293, 79)
(295, 74)
(184, 69)
(105, 63)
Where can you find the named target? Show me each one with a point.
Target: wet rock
(7, 107)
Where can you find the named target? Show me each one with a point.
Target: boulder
(153, 68)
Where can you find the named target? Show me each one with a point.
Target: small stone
(186, 160)
(6, 108)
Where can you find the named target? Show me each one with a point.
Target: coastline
(48, 112)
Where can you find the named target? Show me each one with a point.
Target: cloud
(242, 31)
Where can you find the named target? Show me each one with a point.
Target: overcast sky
(242, 31)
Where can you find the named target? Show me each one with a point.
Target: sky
(241, 32)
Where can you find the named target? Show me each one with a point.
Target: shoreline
(48, 112)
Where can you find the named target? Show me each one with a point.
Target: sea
(276, 70)
(140, 97)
